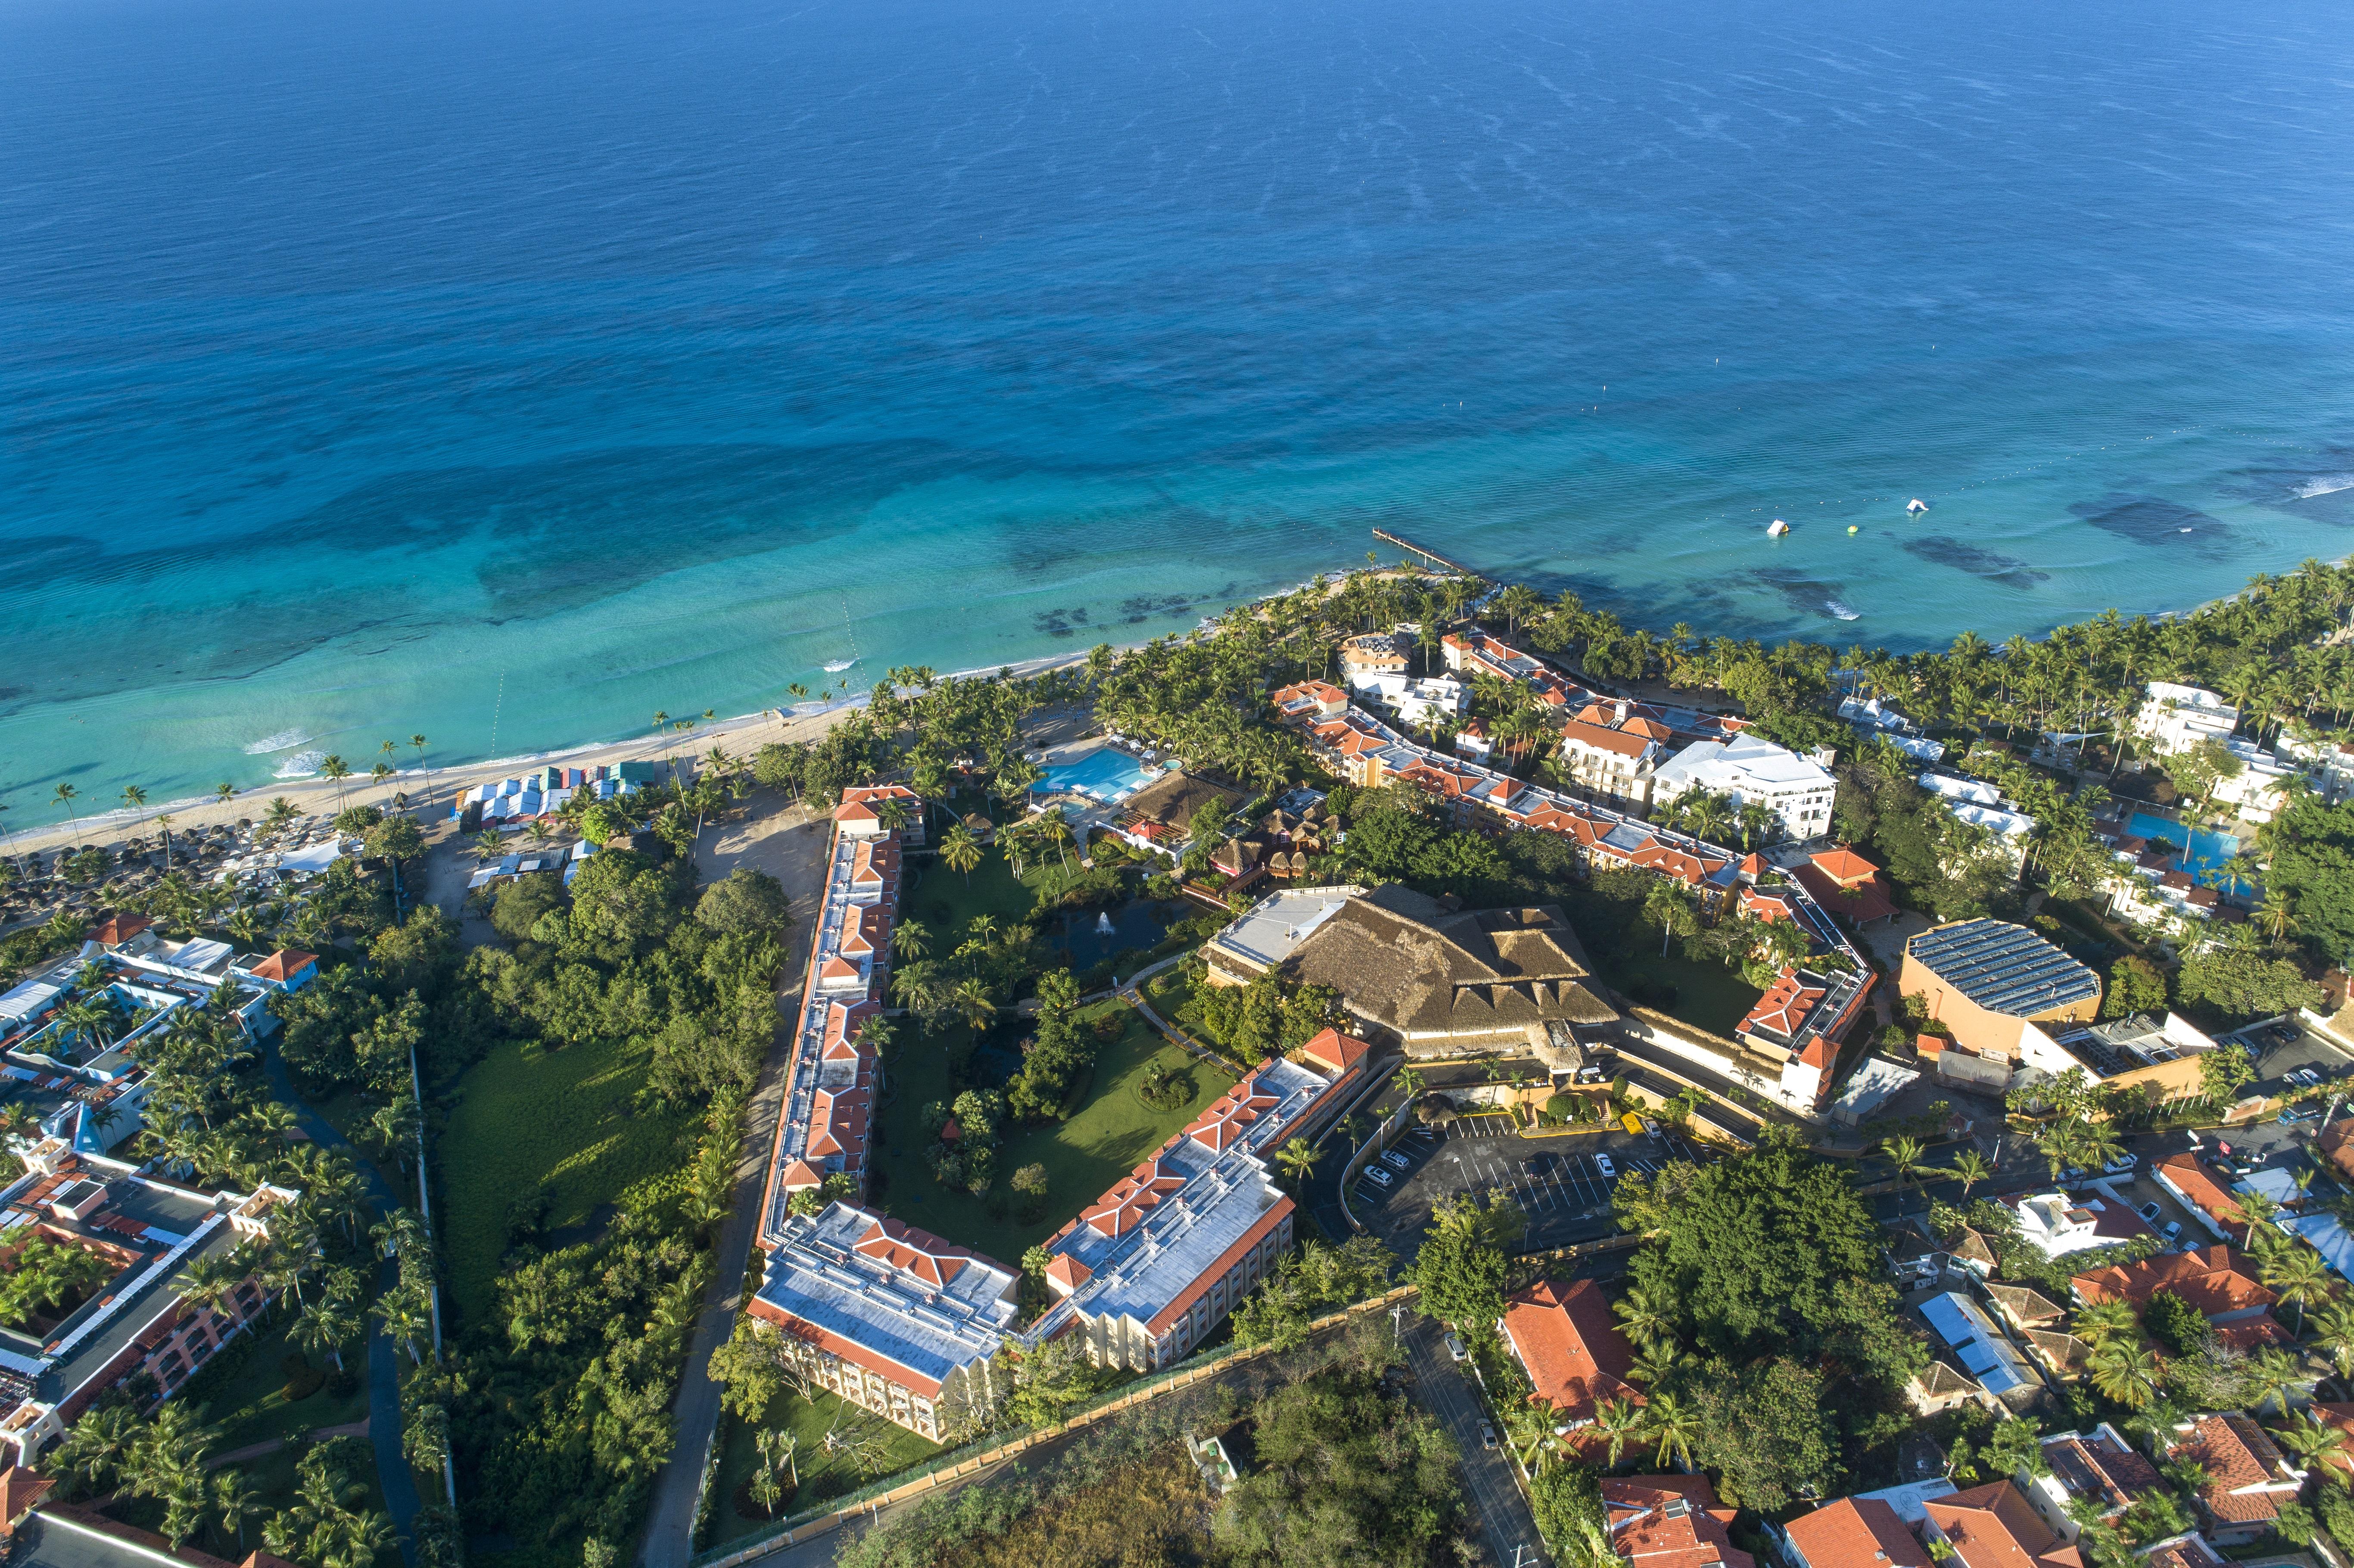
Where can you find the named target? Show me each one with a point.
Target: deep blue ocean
(506, 372)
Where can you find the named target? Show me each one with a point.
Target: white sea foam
(2325, 484)
(284, 740)
(302, 765)
(1840, 610)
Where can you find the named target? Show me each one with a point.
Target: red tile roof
(1995, 1526)
(118, 929)
(1856, 1533)
(1570, 1345)
(1844, 866)
(2205, 1189)
(284, 964)
(2217, 1280)
(1123, 1208)
(919, 1252)
(1783, 1011)
(1231, 1115)
(1335, 1050)
(1670, 1521)
(2240, 1459)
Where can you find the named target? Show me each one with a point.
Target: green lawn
(1111, 1132)
(252, 1406)
(1710, 995)
(528, 1117)
(946, 900)
(822, 1475)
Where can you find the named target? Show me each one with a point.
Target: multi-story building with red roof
(1150, 1268)
(835, 1079)
(888, 1316)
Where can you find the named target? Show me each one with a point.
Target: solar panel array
(2004, 968)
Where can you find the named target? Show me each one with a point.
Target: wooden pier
(1431, 557)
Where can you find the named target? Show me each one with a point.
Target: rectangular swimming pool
(2206, 855)
(1107, 774)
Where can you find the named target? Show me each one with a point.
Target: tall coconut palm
(1620, 1421)
(2297, 1275)
(1643, 1319)
(336, 770)
(2127, 1372)
(1673, 1426)
(1904, 1153)
(1970, 1168)
(1298, 1159)
(65, 797)
(2318, 1445)
(911, 940)
(134, 799)
(961, 851)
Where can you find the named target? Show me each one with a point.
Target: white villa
(1797, 790)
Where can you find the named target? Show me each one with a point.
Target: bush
(303, 1379)
(2174, 1323)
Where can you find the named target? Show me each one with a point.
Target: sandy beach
(742, 737)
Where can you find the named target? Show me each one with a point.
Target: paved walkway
(263, 1450)
(400, 1499)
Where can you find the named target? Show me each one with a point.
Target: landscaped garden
(863, 1448)
(1111, 1127)
(530, 1121)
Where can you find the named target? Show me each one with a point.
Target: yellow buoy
(1850, 527)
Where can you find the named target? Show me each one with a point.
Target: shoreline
(314, 792)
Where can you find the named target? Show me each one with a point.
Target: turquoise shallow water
(508, 372)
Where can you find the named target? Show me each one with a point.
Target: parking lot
(2288, 1056)
(1557, 1178)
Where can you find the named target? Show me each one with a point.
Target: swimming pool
(1106, 773)
(2206, 855)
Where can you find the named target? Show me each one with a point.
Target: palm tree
(1666, 1420)
(325, 1326)
(2275, 1374)
(224, 793)
(1620, 1420)
(235, 1500)
(1904, 1153)
(961, 851)
(65, 795)
(1644, 1320)
(2127, 1372)
(2318, 1445)
(1969, 1169)
(335, 768)
(134, 798)
(277, 814)
(2297, 1274)
(1298, 1159)
(911, 940)
(380, 772)
(1407, 1082)
(2103, 1321)
(2333, 1332)
(419, 742)
(1655, 1363)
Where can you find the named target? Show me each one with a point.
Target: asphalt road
(1445, 1388)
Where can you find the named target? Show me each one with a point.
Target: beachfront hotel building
(890, 1318)
(1148, 1270)
(836, 1078)
(135, 1332)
